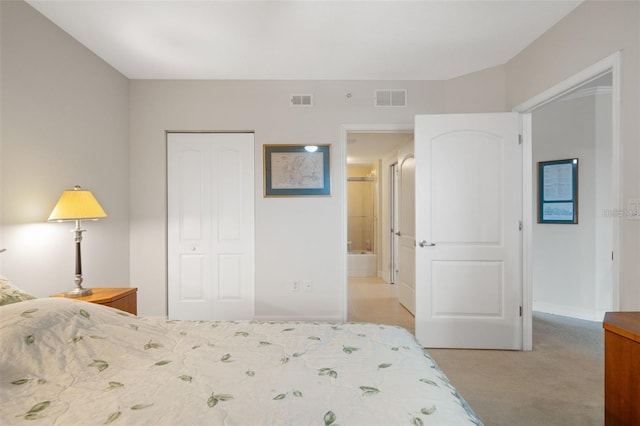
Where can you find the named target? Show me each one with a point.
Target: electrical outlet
(307, 286)
(295, 286)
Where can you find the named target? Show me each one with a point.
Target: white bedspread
(67, 362)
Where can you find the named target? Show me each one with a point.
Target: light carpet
(560, 382)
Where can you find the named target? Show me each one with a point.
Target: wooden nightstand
(124, 298)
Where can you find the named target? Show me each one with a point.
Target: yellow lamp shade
(77, 204)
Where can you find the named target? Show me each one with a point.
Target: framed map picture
(297, 170)
(558, 191)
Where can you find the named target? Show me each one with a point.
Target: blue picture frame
(558, 191)
(297, 170)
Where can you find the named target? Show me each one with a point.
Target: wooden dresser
(124, 298)
(622, 368)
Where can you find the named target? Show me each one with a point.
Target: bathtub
(361, 263)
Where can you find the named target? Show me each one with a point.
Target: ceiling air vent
(391, 98)
(301, 100)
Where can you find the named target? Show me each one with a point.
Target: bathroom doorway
(372, 246)
(371, 197)
(362, 219)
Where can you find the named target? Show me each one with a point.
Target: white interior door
(469, 212)
(407, 232)
(210, 225)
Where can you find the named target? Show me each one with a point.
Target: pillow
(10, 294)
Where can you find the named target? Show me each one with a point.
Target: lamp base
(78, 292)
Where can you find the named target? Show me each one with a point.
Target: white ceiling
(325, 40)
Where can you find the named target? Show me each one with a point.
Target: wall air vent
(301, 100)
(391, 98)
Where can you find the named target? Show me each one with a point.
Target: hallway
(373, 300)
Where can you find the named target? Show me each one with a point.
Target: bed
(66, 362)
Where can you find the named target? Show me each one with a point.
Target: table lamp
(77, 204)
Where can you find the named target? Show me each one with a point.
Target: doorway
(610, 64)
(572, 263)
(370, 155)
(374, 149)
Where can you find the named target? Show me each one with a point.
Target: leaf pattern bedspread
(67, 362)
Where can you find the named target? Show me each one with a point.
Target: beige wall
(64, 122)
(297, 239)
(481, 91)
(593, 31)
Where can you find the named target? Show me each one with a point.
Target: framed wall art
(297, 170)
(558, 191)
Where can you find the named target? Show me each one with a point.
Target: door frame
(393, 222)
(403, 157)
(611, 64)
(345, 129)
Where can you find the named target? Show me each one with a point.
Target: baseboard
(569, 311)
(600, 313)
(267, 318)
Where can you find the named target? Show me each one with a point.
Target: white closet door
(210, 226)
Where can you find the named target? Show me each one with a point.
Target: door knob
(424, 243)
(398, 233)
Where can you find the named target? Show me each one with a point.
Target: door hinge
(520, 139)
(520, 310)
(520, 225)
